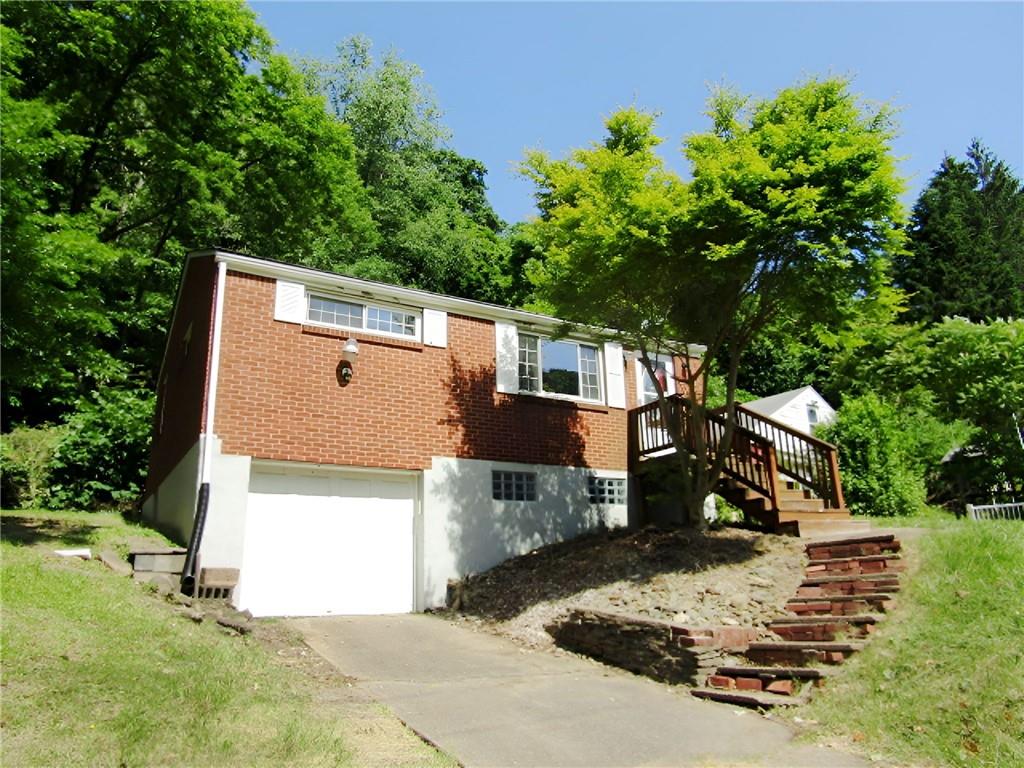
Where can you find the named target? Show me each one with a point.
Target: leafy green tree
(438, 231)
(975, 372)
(26, 455)
(792, 211)
(132, 133)
(101, 460)
(890, 450)
(966, 255)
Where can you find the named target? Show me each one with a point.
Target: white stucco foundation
(465, 530)
(224, 533)
(172, 507)
(456, 526)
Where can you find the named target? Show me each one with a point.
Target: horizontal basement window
(514, 486)
(606, 490)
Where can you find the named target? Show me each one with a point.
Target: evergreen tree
(966, 254)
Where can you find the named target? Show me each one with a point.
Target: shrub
(102, 460)
(25, 456)
(887, 451)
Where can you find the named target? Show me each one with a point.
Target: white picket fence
(996, 511)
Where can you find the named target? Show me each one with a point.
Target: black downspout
(188, 574)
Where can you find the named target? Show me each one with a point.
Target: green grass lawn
(97, 672)
(942, 681)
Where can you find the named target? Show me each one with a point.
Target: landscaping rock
(113, 561)
(234, 620)
(194, 614)
(729, 577)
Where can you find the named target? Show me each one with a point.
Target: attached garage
(321, 542)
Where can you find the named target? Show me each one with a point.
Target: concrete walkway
(487, 702)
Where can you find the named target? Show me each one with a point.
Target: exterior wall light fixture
(348, 356)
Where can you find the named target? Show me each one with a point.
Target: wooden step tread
(798, 673)
(807, 645)
(155, 549)
(822, 515)
(883, 577)
(867, 596)
(791, 621)
(748, 698)
(875, 538)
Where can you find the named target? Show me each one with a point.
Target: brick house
(349, 446)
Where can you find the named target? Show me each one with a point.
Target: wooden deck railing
(806, 459)
(762, 449)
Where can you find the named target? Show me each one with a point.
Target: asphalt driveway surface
(487, 702)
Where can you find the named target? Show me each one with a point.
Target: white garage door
(327, 544)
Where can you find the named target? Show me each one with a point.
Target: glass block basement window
(606, 490)
(514, 486)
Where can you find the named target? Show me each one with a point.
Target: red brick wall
(182, 389)
(279, 397)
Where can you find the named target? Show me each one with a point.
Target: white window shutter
(435, 328)
(290, 302)
(506, 355)
(613, 367)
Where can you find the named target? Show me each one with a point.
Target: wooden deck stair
(783, 478)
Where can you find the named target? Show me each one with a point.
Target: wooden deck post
(837, 483)
(773, 478)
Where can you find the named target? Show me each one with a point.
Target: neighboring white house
(801, 409)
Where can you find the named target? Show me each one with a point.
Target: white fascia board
(399, 295)
(407, 296)
(279, 467)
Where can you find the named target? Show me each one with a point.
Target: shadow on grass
(596, 560)
(26, 531)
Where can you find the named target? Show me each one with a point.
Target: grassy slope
(97, 672)
(942, 682)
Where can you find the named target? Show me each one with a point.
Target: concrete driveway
(487, 702)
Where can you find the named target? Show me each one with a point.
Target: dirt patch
(728, 577)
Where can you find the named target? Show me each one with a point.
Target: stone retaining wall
(657, 649)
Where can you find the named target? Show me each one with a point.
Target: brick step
(752, 682)
(840, 605)
(791, 652)
(854, 565)
(838, 550)
(819, 628)
(758, 699)
(858, 585)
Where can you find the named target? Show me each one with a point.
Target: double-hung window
(347, 314)
(559, 368)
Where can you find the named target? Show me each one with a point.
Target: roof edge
(397, 294)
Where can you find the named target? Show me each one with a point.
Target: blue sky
(512, 76)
